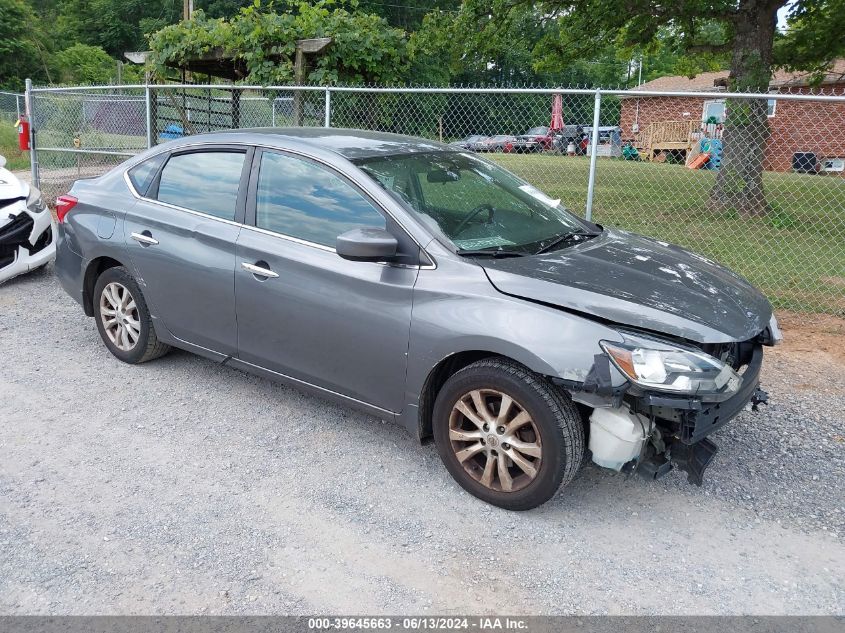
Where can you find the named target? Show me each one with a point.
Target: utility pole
(187, 12)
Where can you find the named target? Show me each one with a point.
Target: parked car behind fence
(469, 141)
(497, 143)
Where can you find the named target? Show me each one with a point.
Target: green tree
(221, 8)
(84, 64)
(261, 44)
(743, 30)
(816, 35)
(661, 59)
(407, 15)
(22, 45)
(115, 25)
(459, 47)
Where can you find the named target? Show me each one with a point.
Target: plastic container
(617, 436)
(712, 146)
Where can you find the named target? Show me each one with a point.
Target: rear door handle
(258, 270)
(144, 238)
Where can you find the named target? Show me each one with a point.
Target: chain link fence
(11, 106)
(756, 182)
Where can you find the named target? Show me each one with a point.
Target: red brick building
(794, 126)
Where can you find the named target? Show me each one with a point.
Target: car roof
(349, 143)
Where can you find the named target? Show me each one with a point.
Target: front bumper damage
(681, 425)
(27, 239)
(691, 421)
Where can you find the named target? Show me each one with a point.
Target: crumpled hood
(640, 282)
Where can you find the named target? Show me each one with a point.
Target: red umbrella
(557, 113)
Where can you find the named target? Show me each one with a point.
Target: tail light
(63, 206)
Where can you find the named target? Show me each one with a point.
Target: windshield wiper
(565, 237)
(490, 253)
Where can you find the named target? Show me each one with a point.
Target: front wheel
(506, 435)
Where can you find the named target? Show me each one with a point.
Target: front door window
(301, 199)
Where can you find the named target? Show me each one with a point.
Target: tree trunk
(739, 183)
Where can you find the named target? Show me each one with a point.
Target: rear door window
(203, 181)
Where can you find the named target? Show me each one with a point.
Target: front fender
(478, 318)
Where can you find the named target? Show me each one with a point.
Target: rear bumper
(69, 268)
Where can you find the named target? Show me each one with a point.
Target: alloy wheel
(495, 440)
(119, 315)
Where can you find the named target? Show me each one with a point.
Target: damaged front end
(670, 399)
(27, 229)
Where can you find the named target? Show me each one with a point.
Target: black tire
(147, 346)
(555, 418)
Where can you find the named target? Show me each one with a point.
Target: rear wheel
(123, 319)
(506, 435)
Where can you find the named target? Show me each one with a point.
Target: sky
(782, 15)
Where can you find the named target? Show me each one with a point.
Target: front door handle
(259, 271)
(145, 239)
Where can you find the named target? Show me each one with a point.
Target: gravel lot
(182, 486)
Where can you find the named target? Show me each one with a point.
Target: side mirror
(367, 245)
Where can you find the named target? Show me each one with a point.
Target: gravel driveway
(181, 486)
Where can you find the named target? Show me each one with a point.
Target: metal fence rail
(656, 168)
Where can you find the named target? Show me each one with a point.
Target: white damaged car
(27, 228)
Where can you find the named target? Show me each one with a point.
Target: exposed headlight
(666, 367)
(34, 201)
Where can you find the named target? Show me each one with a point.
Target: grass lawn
(93, 139)
(15, 158)
(796, 254)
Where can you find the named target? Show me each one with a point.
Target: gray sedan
(422, 284)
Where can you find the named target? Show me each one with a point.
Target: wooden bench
(668, 135)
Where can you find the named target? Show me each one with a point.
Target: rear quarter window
(141, 175)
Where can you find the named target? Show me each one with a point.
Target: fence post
(328, 121)
(236, 108)
(30, 115)
(18, 106)
(147, 97)
(594, 152)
